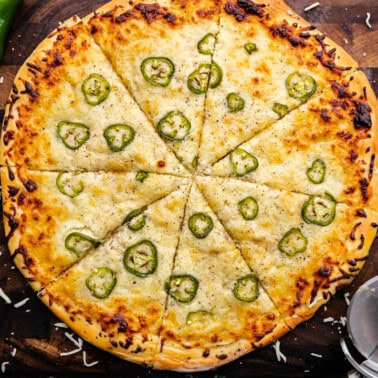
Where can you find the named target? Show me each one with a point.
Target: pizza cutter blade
(362, 325)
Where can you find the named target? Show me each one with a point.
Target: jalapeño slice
(293, 242)
(204, 76)
(250, 47)
(174, 126)
(248, 208)
(246, 288)
(198, 317)
(200, 224)
(316, 172)
(158, 71)
(234, 102)
(206, 44)
(79, 243)
(242, 162)
(141, 259)
(300, 86)
(319, 210)
(280, 109)
(101, 282)
(118, 136)
(182, 288)
(96, 89)
(141, 176)
(73, 134)
(69, 185)
(136, 220)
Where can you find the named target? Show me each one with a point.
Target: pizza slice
(69, 110)
(53, 219)
(327, 144)
(163, 53)
(114, 297)
(216, 309)
(301, 247)
(283, 60)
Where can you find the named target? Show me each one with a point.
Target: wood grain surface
(31, 344)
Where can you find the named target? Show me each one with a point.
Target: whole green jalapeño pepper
(8, 9)
(293, 242)
(118, 136)
(246, 289)
(73, 134)
(141, 259)
(158, 71)
(95, 89)
(320, 211)
(182, 288)
(200, 224)
(101, 282)
(79, 243)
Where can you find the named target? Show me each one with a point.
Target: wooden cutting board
(31, 344)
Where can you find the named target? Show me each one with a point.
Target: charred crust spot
(252, 8)
(329, 61)
(139, 349)
(362, 242)
(364, 184)
(94, 29)
(362, 118)
(296, 41)
(353, 156)
(259, 336)
(270, 316)
(361, 213)
(324, 115)
(363, 258)
(118, 318)
(344, 135)
(371, 166)
(203, 13)
(13, 190)
(350, 190)
(13, 223)
(352, 262)
(314, 290)
(352, 235)
(214, 338)
(324, 271)
(30, 91)
(34, 67)
(234, 10)
(14, 89)
(206, 353)
(11, 175)
(374, 225)
(21, 250)
(123, 17)
(152, 11)
(114, 343)
(221, 356)
(8, 136)
(305, 35)
(353, 269)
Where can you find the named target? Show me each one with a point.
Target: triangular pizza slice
(271, 64)
(328, 144)
(69, 110)
(53, 219)
(216, 310)
(163, 54)
(301, 247)
(114, 297)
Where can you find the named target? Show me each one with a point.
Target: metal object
(362, 325)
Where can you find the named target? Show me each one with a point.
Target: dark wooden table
(30, 343)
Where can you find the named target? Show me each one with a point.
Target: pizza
(186, 181)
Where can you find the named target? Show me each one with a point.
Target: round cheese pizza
(185, 181)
